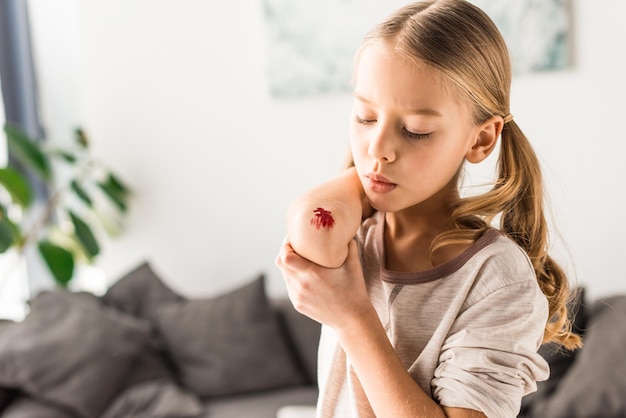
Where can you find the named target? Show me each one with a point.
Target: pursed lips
(379, 184)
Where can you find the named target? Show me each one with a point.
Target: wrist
(356, 326)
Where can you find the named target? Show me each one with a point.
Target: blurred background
(176, 96)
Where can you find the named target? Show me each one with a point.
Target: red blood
(322, 219)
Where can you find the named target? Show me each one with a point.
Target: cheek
(359, 155)
(356, 142)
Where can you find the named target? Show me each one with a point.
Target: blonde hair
(461, 42)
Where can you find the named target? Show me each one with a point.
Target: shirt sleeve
(489, 360)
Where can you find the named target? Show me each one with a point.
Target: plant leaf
(81, 193)
(17, 186)
(85, 236)
(28, 152)
(7, 235)
(110, 223)
(59, 261)
(118, 185)
(13, 230)
(69, 241)
(66, 155)
(81, 137)
(116, 191)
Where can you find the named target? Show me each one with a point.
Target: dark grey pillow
(303, 334)
(7, 395)
(595, 385)
(151, 364)
(156, 399)
(71, 350)
(25, 407)
(229, 344)
(140, 292)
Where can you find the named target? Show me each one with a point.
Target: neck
(428, 218)
(410, 232)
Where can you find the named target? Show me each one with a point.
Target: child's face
(409, 133)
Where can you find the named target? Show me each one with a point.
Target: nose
(381, 144)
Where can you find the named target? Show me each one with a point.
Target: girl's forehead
(391, 49)
(380, 69)
(382, 58)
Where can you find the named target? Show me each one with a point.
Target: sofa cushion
(71, 350)
(228, 344)
(25, 407)
(155, 399)
(150, 364)
(595, 384)
(261, 404)
(303, 335)
(140, 292)
(6, 397)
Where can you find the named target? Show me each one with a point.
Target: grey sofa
(142, 350)
(589, 382)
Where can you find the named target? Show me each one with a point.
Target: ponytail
(524, 222)
(517, 196)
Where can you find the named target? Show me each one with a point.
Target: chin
(382, 204)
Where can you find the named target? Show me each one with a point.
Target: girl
(430, 311)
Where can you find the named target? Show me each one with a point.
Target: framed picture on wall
(311, 43)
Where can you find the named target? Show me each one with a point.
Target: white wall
(174, 96)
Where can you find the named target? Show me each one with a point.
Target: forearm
(390, 390)
(321, 223)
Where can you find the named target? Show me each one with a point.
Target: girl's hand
(331, 296)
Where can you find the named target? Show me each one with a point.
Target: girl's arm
(338, 298)
(391, 391)
(321, 222)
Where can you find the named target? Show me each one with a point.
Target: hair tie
(507, 118)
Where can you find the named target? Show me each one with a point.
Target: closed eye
(406, 132)
(363, 121)
(415, 135)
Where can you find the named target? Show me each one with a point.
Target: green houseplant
(82, 195)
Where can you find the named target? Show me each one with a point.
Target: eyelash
(414, 135)
(406, 132)
(363, 121)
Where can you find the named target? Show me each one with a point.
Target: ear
(486, 139)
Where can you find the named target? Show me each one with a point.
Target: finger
(285, 248)
(288, 259)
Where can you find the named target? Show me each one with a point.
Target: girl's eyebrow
(419, 111)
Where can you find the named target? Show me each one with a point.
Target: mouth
(379, 184)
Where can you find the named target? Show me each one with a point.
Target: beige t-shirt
(467, 331)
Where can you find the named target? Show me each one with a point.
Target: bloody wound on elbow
(322, 219)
